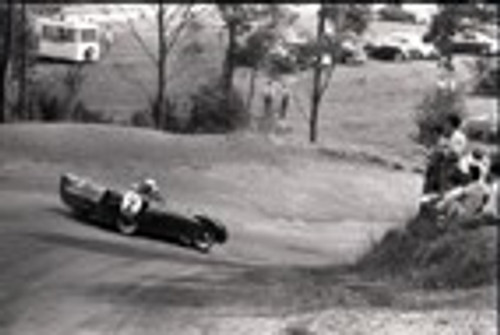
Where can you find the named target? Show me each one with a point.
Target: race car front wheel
(126, 226)
(204, 241)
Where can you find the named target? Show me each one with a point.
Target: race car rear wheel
(126, 226)
(203, 241)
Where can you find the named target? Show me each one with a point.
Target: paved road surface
(61, 276)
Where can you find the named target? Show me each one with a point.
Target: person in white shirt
(454, 138)
(133, 200)
(455, 146)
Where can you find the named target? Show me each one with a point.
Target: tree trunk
(5, 59)
(22, 98)
(251, 90)
(229, 63)
(159, 111)
(316, 93)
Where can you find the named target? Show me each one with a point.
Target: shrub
(85, 115)
(459, 258)
(437, 105)
(52, 106)
(48, 107)
(142, 119)
(255, 48)
(486, 77)
(305, 54)
(210, 113)
(396, 13)
(282, 64)
(178, 115)
(192, 49)
(164, 120)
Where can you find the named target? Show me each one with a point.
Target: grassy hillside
(369, 107)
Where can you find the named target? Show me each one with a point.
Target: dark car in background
(400, 46)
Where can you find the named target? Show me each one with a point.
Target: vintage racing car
(92, 201)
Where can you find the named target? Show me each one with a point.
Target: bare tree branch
(174, 36)
(170, 18)
(139, 39)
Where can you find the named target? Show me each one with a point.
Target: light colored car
(474, 42)
(403, 46)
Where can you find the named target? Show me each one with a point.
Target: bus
(70, 40)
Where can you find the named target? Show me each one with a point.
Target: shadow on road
(258, 291)
(123, 246)
(221, 284)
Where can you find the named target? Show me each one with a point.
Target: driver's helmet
(148, 187)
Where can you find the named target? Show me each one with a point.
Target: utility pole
(159, 112)
(316, 93)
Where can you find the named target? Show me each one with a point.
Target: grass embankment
(458, 258)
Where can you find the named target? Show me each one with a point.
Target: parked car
(474, 42)
(402, 46)
(352, 51)
(483, 127)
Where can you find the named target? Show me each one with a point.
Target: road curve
(62, 276)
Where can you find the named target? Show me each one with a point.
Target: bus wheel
(89, 55)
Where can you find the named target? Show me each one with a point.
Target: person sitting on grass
(454, 140)
(443, 170)
(464, 202)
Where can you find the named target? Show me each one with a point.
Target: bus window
(58, 34)
(67, 35)
(89, 35)
(49, 33)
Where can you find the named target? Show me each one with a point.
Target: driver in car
(148, 189)
(133, 200)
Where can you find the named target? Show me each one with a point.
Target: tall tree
(317, 75)
(344, 18)
(158, 111)
(6, 23)
(23, 80)
(237, 19)
(171, 20)
(256, 49)
(17, 58)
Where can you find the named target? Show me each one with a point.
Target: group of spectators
(458, 182)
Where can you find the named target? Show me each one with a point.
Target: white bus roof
(73, 23)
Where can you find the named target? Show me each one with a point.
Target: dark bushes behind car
(396, 13)
(486, 77)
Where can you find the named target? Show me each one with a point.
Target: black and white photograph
(190, 168)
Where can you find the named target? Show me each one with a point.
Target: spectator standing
(269, 98)
(107, 37)
(285, 101)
